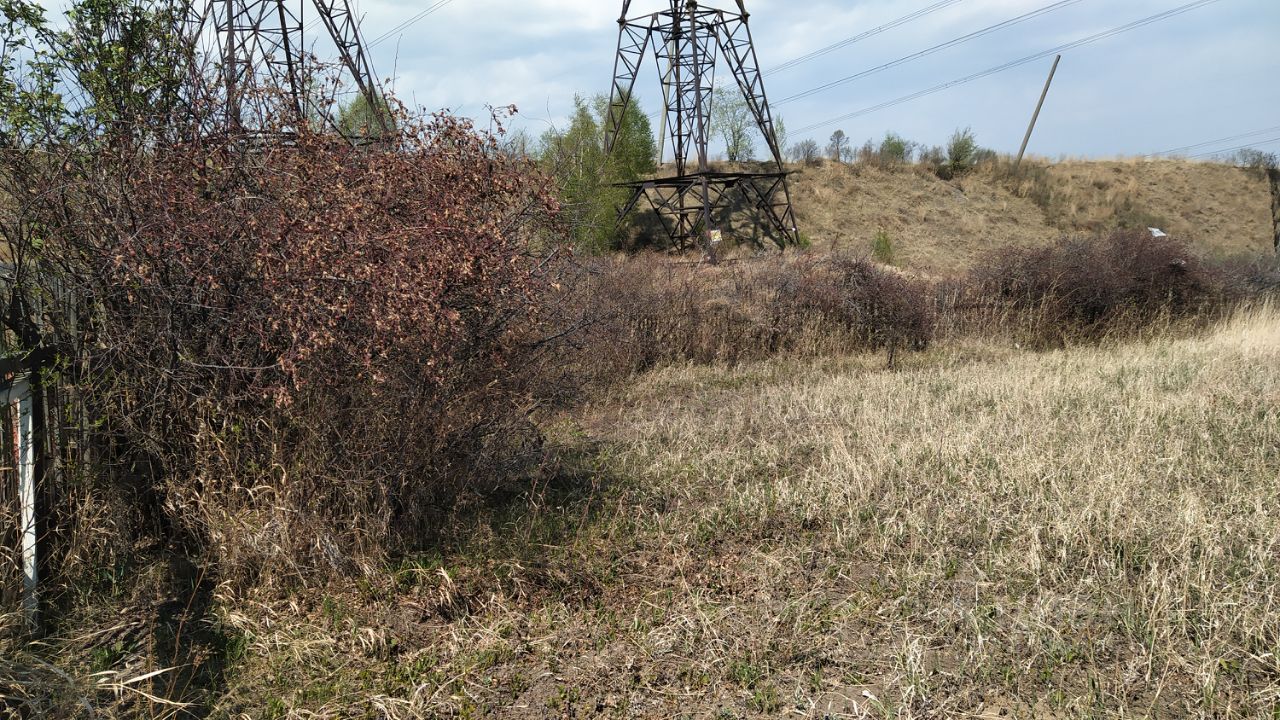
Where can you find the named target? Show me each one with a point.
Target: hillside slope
(939, 226)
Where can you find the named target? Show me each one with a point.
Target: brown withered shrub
(1253, 275)
(1097, 286)
(640, 312)
(648, 310)
(871, 305)
(292, 353)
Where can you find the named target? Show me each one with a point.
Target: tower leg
(633, 41)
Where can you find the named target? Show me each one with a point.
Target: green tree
(780, 135)
(896, 150)
(807, 152)
(733, 121)
(635, 152)
(962, 152)
(128, 57)
(359, 119)
(27, 81)
(882, 248)
(115, 66)
(587, 178)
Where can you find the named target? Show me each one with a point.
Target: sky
(1211, 73)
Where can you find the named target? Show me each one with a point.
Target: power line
(1197, 146)
(1016, 63)
(1235, 149)
(407, 23)
(914, 56)
(402, 26)
(852, 40)
(862, 36)
(930, 51)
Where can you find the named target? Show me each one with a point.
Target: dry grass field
(941, 227)
(984, 532)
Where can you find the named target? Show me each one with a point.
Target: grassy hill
(938, 226)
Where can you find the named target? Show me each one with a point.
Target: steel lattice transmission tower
(688, 42)
(260, 49)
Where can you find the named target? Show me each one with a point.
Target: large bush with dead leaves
(290, 350)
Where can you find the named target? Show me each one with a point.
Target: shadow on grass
(525, 541)
(529, 541)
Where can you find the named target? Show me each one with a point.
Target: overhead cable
(1228, 151)
(1219, 141)
(1016, 63)
(862, 36)
(407, 23)
(1061, 4)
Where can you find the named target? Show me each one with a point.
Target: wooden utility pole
(1040, 106)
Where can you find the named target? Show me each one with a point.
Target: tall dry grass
(1086, 532)
(1079, 533)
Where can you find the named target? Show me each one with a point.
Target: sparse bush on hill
(838, 147)
(962, 154)
(807, 152)
(1256, 160)
(895, 150)
(933, 158)
(882, 248)
(868, 153)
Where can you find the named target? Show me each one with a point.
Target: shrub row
(1087, 288)
(637, 313)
